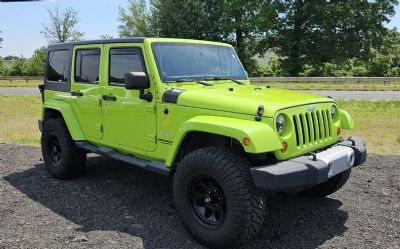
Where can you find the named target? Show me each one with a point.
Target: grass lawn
(377, 122)
(20, 83)
(18, 122)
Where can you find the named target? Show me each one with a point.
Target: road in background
(338, 95)
(358, 95)
(19, 91)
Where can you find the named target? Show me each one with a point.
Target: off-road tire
(327, 188)
(70, 161)
(245, 204)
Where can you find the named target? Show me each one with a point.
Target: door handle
(77, 94)
(109, 98)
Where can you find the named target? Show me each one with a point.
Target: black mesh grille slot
(303, 130)
(296, 130)
(328, 118)
(309, 125)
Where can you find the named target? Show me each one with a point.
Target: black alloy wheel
(55, 150)
(207, 200)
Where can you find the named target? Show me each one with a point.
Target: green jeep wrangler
(186, 109)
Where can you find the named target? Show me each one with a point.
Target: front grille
(312, 127)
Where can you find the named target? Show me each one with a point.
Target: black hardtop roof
(103, 41)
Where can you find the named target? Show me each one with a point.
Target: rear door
(85, 89)
(129, 122)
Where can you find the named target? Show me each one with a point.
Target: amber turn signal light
(246, 141)
(284, 147)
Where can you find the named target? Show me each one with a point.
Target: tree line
(19, 66)
(305, 38)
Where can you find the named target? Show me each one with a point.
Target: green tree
(35, 66)
(17, 68)
(135, 20)
(310, 37)
(386, 58)
(1, 40)
(105, 37)
(10, 57)
(233, 22)
(320, 31)
(62, 26)
(1, 66)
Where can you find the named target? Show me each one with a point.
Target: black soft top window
(57, 66)
(87, 65)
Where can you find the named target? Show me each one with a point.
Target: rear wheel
(216, 198)
(327, 188)
(62, 159)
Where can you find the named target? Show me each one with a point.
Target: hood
(245, 99)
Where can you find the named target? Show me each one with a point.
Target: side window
(57, 66)
(87, 64)
(124, 60)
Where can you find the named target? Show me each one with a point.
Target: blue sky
(21, 23)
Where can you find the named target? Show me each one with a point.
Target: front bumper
(303, 172)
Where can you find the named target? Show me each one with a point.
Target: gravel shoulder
(116, 206)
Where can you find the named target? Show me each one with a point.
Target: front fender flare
(346, 121)
(69, 117)
(263, 138)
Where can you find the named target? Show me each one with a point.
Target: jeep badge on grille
(311, 108)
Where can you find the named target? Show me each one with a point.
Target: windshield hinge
(260, 112)
(152, 138)
(99, 127)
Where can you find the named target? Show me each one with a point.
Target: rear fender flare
(69, 117)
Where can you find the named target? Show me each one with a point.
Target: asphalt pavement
(359, 95)
(19, 91)
(339, 95)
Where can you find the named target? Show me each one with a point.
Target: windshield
(181, 61)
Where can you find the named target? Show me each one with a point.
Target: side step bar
(154, 166)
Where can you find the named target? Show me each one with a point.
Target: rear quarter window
(57, 66)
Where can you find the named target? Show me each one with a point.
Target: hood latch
(260, 112)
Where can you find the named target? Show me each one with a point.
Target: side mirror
(136, 81)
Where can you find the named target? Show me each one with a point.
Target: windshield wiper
(190, 80)
(221, 78)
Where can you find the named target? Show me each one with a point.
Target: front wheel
(216, 198)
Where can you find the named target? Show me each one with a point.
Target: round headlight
(280, 123)
(333, 112)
